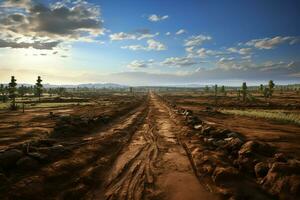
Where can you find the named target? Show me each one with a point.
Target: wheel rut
(153, 165)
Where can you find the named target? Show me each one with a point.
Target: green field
(278, 115)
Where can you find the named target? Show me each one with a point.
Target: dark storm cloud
(41, 24)
(64, 20)
(35, 45)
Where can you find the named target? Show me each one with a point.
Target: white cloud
(180, 31)
(271, 43)
(241, 51)
(138, 64)
(168, 33)
(131, 36)
(179, 61)
(156, 18)
(197, 40)
(153, 45)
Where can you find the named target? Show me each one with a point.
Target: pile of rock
(27, 157)
(67, 126)
(227, 156)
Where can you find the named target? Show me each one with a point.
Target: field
(161, 144)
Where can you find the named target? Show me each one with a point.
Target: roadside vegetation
(278, 115)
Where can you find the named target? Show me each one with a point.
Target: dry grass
(277, 115)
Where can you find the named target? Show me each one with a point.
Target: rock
(192, 120)
(188, 112)
(235, 135)
(224, 175)
(197, 126)
(53, 152)
(255, 147)
(206, 130)
(246, 164)
(218, 134)
(233, 144)
(27, 163)
(261, 169)
(39, 156)
(289, 168)
(280, 157)
(9, 158)
(282, 182)
(219, 143)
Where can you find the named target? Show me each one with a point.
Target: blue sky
(150, 42)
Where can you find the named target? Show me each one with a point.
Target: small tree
(261, 88)
(3, 93)
(223, 90)
(39, 88)
(12, 90)
(239, 94)
(244, 91)
(216, 94)
(271, 88)
(266, 92)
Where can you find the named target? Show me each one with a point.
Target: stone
(27, 163)
(9, 158)
(39, 156)
(206, 130)
(254, 147)
(197, 126)
(233, 144)
(280, 157)
(224, 175)
(261, 169)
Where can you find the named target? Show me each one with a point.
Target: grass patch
(4, 105)
(51, 105)
(45, 105)
(281, 116)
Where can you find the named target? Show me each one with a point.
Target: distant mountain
(88, 85)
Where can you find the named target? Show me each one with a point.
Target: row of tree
(11, 91)
(266, 91)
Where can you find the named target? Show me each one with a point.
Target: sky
(150, 42)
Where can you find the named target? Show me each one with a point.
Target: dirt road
(137, 157)
(153, 165)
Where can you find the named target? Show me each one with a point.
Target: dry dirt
(151, 151)
(284, 136)
(138, 156)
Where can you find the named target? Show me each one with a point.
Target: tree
(216, 94)
(12, 90)
(3, 93)
(244, 91)
(261, 88)
(223, 90)
(39, 88)
(266, 92)
(239, 94)
(271, 88)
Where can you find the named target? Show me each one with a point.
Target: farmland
(134, 145)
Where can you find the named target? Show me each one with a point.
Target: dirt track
(137, 157)
(153, 165)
